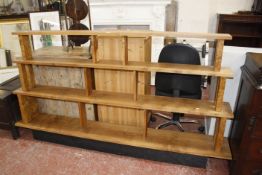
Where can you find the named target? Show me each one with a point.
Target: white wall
(225, 7)
(201, 15)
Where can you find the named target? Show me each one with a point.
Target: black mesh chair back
(189, 86)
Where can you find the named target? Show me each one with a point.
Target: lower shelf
(165, 140)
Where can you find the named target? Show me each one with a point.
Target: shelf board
(165, 140)
(59, 52)
(246, 36)
(70, 60)
(130, 33)
(144, 102)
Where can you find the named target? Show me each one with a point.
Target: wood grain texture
(64, 77)
(146, 102)
(219, 135)
(30, 76)
(58, 107)
(135, 85)
(94, 48)
(165, 140)
(130, 33)
(218, 55)
(25, 46)
(221, 84)
(58, 52)
(114, 49)
(82, 114)
(23, 77)
(132, 65)
(28, 107)
(125, 50)
(88, 78)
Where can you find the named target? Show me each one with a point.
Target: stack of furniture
(117, 81)
(246, 134)
(246, 30)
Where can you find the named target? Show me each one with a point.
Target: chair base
(177, 123)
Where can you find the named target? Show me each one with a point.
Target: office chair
(178, 85)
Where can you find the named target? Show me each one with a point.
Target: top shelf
(131, 33)
(79, 58)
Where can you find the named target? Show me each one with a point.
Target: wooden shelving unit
(132, 98)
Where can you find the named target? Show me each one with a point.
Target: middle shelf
(143, 102)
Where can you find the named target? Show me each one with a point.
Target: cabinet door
(5, 116)
(257, 103)
(251, 168)
(255, 150)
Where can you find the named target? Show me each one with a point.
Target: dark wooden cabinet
(9, 107)
(246, 133)
(246, 30)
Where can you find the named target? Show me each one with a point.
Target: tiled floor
(26, 156)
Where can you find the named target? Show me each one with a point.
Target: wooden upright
(117, 81)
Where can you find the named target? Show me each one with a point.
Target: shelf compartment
(131, 66)
(146, 102)
(165, 140)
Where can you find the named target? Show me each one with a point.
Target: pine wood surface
(180, 142)
(146, 102)
(130, 33)
(120, 49)
(119, 59)
(55, 56)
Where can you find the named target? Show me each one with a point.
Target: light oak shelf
(129, 33)
(146, 102)
(78, 59)
(164, 140)
(129, 53)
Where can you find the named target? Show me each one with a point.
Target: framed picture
(45, 21)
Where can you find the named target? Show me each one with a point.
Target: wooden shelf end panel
(219, 134)
(25, 45)
(218, 55)
(221, 83)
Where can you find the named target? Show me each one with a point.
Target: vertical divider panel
(219, 133)
(147, 55)
(28, 107)
(30, 76)
(88, 81)
(135, 83)
(218, 55)
(82, 114)
(146, 115)
(25, 47)
(23, 77)
(94, 46)
(125, 50)
(220, 93)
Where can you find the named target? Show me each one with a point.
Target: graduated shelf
(144, 102)
(165, 140)
(78, 58)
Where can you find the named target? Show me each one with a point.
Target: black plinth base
(144, 153)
